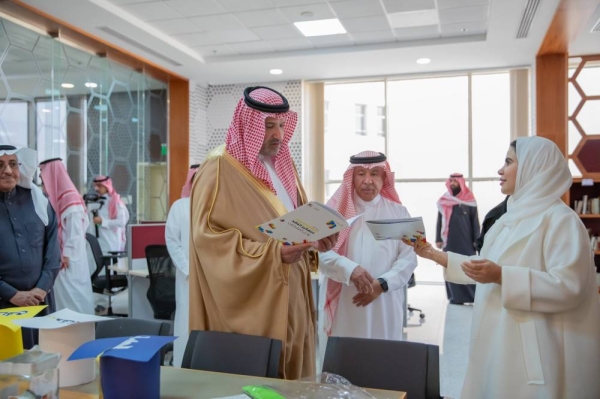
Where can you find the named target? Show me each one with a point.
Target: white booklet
(410, 229)
(307, 223)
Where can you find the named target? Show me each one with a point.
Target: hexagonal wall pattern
(586, 155)
(105, 121)
(584, 120)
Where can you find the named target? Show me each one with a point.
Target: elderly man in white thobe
(364, 278)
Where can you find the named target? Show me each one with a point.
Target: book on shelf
(307, 223)
(587, 206)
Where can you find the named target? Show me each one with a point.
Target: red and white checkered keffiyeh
(448, 200)
(115, 198)
(187, 187)
(61, 191)
(246, 135)
(343, 201)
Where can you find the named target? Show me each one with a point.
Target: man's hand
(483, 271)
(293, 253)
(97, 220)
(362, 280)
(39, 294)
(439, 245)
(64, 262)
(24, 298)
(327, 243)
(362, 299)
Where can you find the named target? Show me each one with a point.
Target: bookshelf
(578, 190)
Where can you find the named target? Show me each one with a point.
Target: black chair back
(97, 253)
(161, 292)
(127, 327)
(232, 353)
(411, 367)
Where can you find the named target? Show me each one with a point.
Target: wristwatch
(383, 284)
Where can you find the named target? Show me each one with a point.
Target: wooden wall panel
(179, 136)
(551, 98)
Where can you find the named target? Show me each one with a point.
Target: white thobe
(112, 231)
(391, 260)
(282, 193)
(537, 335)
(177, 236)
(73, 286)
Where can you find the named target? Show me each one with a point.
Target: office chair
(411, 283)
(411, 367)
(232, 353)
(127, 327)
(161, 271)
(107, 283)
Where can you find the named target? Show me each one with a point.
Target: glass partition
(100, 117)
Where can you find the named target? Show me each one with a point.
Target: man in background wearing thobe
(177, 236)
(112, 216)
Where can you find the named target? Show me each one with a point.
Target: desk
(178, 383)
(137, 287)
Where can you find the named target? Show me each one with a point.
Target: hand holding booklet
(307, 223)
(409, 229)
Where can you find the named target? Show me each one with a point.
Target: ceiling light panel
(324, 27)
(413, 18)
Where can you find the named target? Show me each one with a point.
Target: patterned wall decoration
(584, 111)
(198, 136)
(220, 103)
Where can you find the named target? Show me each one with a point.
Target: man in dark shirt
(30, 255)
(457, 230)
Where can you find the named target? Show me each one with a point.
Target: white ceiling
(237, 41)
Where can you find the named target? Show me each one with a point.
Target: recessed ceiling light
(275, 71)
(68, 85)
(91, 85)
(322, 27)
(423, 61)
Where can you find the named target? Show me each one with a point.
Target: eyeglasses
(14, 165)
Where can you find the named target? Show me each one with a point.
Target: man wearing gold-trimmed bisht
(241, 280)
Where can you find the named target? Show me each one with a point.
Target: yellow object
(10, 333)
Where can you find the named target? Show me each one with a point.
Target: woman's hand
(483, 271)
(422, 248)
(425, 250)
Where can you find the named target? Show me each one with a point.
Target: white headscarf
(27, 166)
(543, 176)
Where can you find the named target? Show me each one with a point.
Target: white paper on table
(396, 229)
(60, 319)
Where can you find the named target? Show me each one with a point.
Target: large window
(360, 119)
(435, 126)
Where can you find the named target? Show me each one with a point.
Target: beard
(455, 190)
